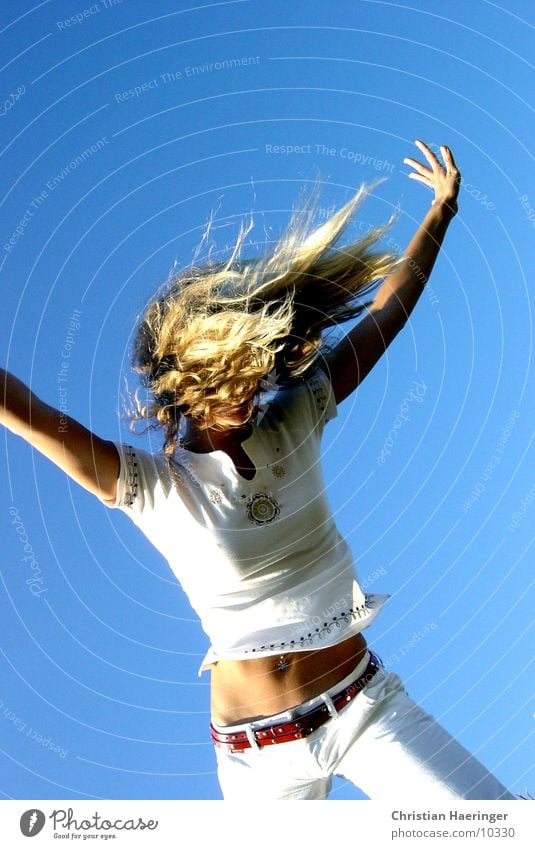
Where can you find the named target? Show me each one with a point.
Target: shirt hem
(374, 603)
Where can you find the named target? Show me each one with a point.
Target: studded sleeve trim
(131, 479)
(128, 480)
(322, 394)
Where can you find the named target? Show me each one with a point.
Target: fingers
(442, 180)
(416, 165)
(447, 156)
(451, 167)
(428, 153)
(436, 166)
(425, 180)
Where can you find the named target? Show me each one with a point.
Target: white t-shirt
(261, 560)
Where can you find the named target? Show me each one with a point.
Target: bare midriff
(245, 690)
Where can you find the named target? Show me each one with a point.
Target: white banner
(155, 823)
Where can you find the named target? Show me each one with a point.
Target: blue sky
(125, 125)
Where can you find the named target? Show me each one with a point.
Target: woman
(238, 376)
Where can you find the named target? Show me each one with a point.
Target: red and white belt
(303, 725)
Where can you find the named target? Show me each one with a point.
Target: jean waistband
(291, 713)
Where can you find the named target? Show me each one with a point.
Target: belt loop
(251, 737)
(330, 704)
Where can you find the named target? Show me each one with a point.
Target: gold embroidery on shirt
(262, 508)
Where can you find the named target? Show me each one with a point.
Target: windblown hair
(204, 345)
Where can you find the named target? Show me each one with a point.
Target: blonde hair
(203, 346)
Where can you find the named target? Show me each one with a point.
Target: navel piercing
(283, 664)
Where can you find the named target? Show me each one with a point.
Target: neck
(202, 441)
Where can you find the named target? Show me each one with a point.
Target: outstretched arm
(90, 461)
(354, 357)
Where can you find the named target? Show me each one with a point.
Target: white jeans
(383, 742)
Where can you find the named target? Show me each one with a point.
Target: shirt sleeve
(322, 394)
(141, 479)
(308, 404)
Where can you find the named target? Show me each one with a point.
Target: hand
(445, 180)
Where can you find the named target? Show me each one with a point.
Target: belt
(303, 725)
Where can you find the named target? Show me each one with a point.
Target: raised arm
(356, 354)
(90, 461)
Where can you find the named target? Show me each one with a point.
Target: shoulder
(306, 400)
